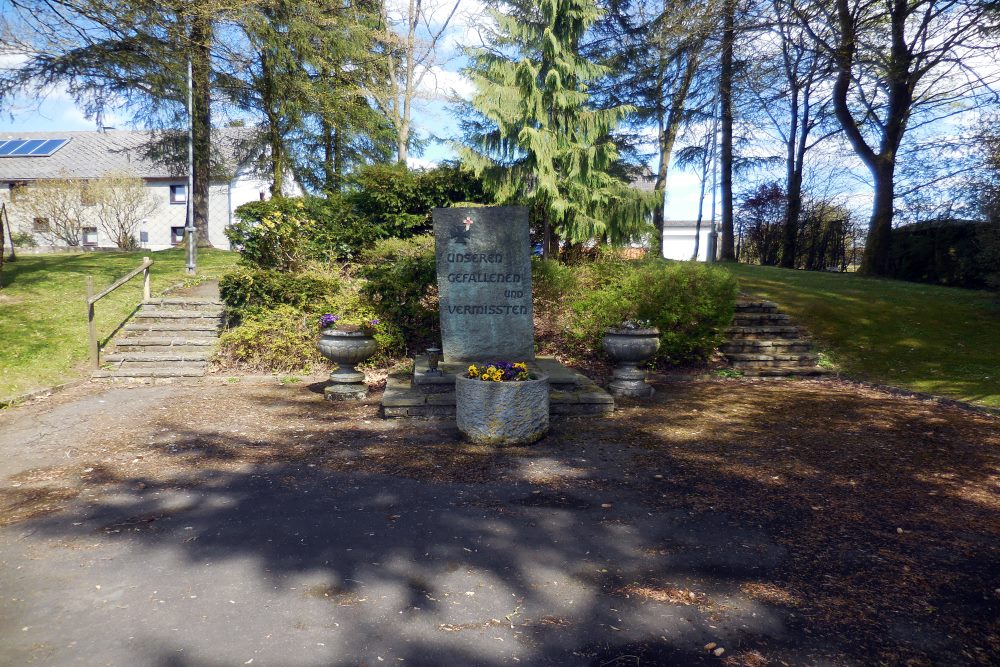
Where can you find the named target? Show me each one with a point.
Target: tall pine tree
(535, 139)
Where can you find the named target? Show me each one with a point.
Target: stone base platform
(422, 395)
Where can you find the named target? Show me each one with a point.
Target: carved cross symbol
(468, 223)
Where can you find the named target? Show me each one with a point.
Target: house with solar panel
(26, 158)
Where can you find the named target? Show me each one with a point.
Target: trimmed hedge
(947, 252)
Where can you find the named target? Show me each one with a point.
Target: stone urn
(502, 413)
(628, 348)
(346, 348)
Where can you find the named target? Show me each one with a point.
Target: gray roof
(91, 154)
(645, 180)
(705, 223)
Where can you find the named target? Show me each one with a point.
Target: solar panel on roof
(27, 147)
(31, 147)
(49, 147)
(11, 146)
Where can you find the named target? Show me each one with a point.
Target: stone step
(161, 363)
(744, 360)
(767, 346)
(756, 307)
(163, 344)
(161, 372)
(171, 355)
(802, 371)
(760, 319)
(762, 332)
(202, 326)
(162, 315)
(177, 303)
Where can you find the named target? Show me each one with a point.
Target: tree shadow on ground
(762, 518)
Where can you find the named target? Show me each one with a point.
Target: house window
(90, 236)
(176, 235)
(17, 190)
(178, 194)
(143, 237)
(40, 225)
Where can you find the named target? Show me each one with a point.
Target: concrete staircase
(763, 342)
(168, 337)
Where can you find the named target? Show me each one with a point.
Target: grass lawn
(43, 313)
(940, 340)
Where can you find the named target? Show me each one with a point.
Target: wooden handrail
(146, 263)
(95, 352)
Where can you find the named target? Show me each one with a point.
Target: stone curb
(37, 393)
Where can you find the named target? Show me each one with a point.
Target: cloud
(420, 163)
(441, 84)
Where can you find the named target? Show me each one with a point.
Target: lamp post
(192, 247)
(713, 234)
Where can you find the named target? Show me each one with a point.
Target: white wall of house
(678, 241)
(167, 221)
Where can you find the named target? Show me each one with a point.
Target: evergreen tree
(535, 139)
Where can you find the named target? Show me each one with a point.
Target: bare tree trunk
(331, 181)
(669, 129)
(701, 209)
(727, 252)
(875, 261)
(201, 121)
(798, 135)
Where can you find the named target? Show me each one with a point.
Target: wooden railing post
(92, 326)
(145, 280)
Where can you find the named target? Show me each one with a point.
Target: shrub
(284, 338)
(23, 240)
(690, 303)
(398, 201)
(402, 286)
(247, 291)
(281, 339)
(272, 234)
(339, 233)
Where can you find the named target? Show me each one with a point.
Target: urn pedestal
(502, 413)
(629, 348)
(346, 349)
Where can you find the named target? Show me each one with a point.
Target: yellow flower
(473, 371)
(521, 365)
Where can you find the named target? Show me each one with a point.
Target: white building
(679, 236)
(38, 156)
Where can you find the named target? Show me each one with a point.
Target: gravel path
(230, 524)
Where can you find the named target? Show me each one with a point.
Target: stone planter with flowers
(346, 344)
(502, 403)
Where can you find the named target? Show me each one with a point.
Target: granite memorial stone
(484, 283)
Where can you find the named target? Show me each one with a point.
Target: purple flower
(328, 320)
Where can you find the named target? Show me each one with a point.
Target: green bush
(339, 233)
(401, 286)
(23, 240)
(690, 303)
(281, 339)
(398, 201)
(284, 338)
(272, 234)
(247, 291)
